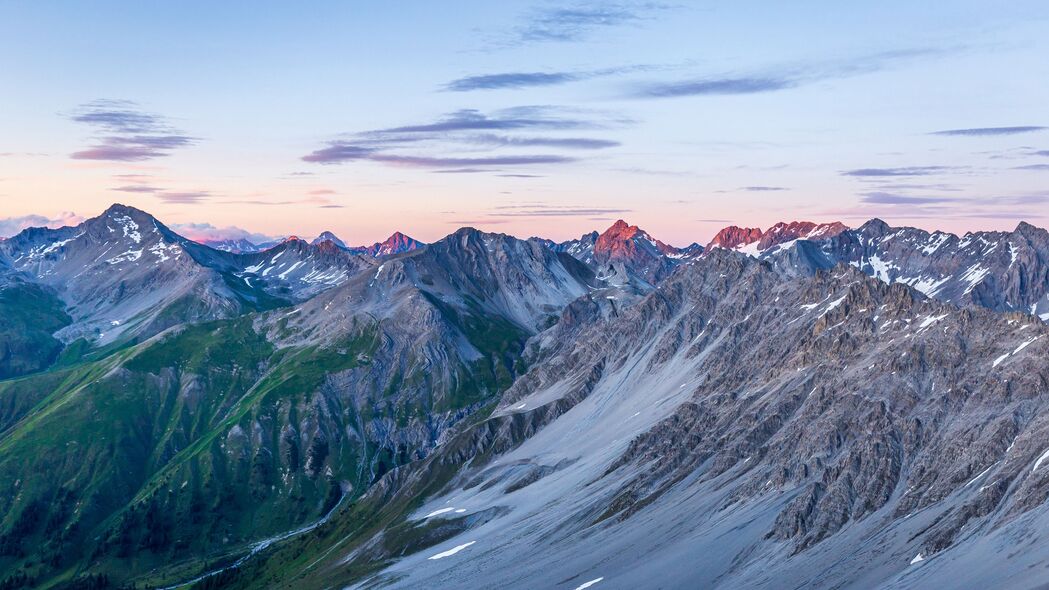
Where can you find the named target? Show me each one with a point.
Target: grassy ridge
(29, 315)
(166, 457)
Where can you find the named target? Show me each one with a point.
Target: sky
(260, 119)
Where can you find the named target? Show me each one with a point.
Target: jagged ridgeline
(177, 447)
(808, 406)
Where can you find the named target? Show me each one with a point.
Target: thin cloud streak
(510, 80)
(519, 80)
(10, 226)
(135, 188)
(461, 128)
(580, 143)
(474, 120)
(761, 189)
(714, 87)
(206, 232)
(892, 172)
(989, 131)
(184, 198)
(886, 198)
(577, 22)
(779, 78)
(337, 153)
(127, 134)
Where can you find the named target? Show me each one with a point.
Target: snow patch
(931, 320)
(1038, 463)
(451, 551)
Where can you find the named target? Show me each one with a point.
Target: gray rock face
(1004, 271)
(397, 243)
(239, 246)
(123, 274)
(452, 321)
(625, 257)
(328, 236)
(294, 269)
(787, 409)
(741, 428)
(469, 272)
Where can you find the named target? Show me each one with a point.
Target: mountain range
(395, 244)
(808, 406)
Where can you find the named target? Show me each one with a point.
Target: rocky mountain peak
(327, 246)
(328, 236)
(1031, 231)
(621, 230)
(118, 209)
(395, 244)
(875, 226)
(782, 233)
(734, 236)
(624, 241)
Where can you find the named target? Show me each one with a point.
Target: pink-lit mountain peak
(625, 241)
(735, 237)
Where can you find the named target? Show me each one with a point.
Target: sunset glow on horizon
(267, 119)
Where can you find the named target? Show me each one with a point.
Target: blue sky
(525, 117)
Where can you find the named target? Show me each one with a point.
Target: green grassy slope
(29, 315)
(162, 459)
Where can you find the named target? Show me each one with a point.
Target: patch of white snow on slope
(1038, 463)
(451, 551)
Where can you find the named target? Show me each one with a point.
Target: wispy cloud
(137, 188)
(462, 171)
(777, 78)
(469, 129)
(907, 205)
(517, 80)
(506, 213)
(339, 152)
(445, 162)
(887, 198)
(527, 117)
(989, 131)
(559, 212)
(1033, 167)
(141, 185)
(762, 189)
(206, 232)
(184, 198)
(510, 80)
(127, 134)
(10, 226)
(906, 186)
(891, 172)
(715, 86)
(576, 143)
(577, 22)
